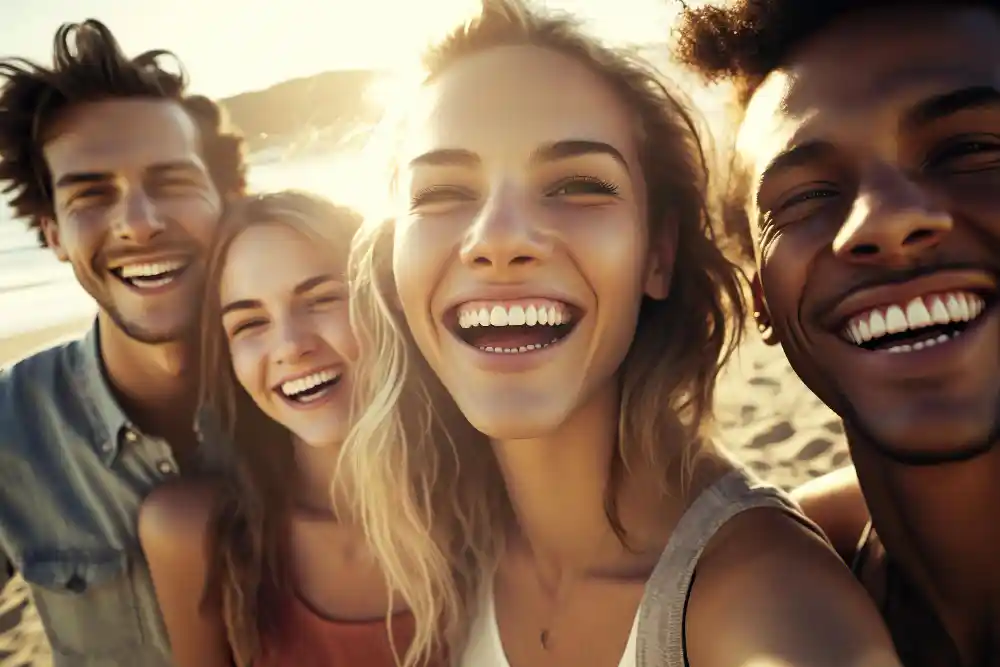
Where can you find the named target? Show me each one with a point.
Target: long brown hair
(251, 453)
(433, 502)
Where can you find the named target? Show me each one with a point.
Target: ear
(50, 230)
(660, 265)
(761, 315)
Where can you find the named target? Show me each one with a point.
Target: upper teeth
(150, 270)
(306, 383)
(548, 313)
(921, 312)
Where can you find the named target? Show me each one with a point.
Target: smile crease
(923, 322)
(517, 327)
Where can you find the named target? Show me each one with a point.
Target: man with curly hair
(867, 170)
(124, 176)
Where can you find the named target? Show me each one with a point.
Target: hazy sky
(229, 46)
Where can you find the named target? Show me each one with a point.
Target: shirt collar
(94, 388)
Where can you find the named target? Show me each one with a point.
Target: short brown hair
(88, 65)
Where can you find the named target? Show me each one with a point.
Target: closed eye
(966, 155)
(440, 194)
(584, 186)
(246, 325)
(807, 196)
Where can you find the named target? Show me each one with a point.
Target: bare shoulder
(175, 518)
(774, 589)
(835, 502)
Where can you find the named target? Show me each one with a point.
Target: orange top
(307, 639)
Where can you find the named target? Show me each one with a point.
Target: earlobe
(761, 315)
(50, 231)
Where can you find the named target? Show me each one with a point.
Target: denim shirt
(73, 473)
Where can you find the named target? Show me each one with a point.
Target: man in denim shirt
(124, 176)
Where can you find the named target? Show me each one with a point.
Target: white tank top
(485, 649)
(657, 635)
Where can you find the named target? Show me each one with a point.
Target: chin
(517, 420)
(917, 441)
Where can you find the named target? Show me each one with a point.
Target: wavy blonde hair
(432, 501)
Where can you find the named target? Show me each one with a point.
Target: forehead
(508, 100)
(121, 135)
(271, 258)
(855, 82)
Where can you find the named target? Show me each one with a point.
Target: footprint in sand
(814, 449)
(834, 426)
(778, 433)
(840, 459)
(764, 381)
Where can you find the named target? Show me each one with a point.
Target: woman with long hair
(256, 565)
(548, 270)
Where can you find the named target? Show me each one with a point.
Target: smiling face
(288, 330)
(876, 221)
(135, 211)
(522, 258)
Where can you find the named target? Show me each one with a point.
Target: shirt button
(131, 436)
(165, 467)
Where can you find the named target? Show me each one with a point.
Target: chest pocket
(86, 600)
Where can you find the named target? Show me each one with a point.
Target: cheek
(420, 254)
(197, 215)
(338, 334)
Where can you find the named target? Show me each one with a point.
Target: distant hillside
(323, 108)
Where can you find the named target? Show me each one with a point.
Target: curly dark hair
(743, 41)
(88, 65)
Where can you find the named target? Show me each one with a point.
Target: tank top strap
(660, 639)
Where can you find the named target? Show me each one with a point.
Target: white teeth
(519, 350)
(294, 387)
(895, 320)
(150, 270)
(515, 315)
(919, 313)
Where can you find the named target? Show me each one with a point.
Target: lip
(330, 395)
(955, 280)
(506, 363)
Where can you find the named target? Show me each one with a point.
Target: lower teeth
(920, 345)
(517, 350)
(149, 282)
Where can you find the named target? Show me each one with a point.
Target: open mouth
(514, 327)
(925, 321)
(151, 275)
(310, 388)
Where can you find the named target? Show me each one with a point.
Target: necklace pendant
(544, 639)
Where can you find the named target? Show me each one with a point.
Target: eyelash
(426, 195)
(608, 187)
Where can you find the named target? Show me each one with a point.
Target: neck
(939, 524)
(156, 384)
(558, 484)
(315, 466)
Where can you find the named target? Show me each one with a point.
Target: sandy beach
(767, 417)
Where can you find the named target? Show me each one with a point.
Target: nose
(893, 222)
(293, 342)
(506, 235)
(138, 222)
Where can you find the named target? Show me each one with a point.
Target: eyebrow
(560, 150)
(301, 288)
(941, 106)
(92, 177)
(795, 157)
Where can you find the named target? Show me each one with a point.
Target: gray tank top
(660, 637)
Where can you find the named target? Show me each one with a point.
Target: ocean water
(37, 291)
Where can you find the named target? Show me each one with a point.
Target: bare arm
(835, 502)
(174, 526)
(770, 593)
